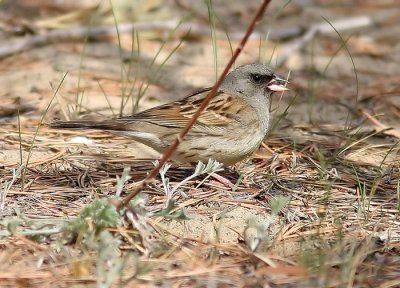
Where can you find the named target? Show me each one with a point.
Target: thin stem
(140, 185)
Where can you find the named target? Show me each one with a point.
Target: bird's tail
(85, 124)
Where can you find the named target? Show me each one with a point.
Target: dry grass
(341, 219)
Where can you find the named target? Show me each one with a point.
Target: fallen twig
(19, 45)
(322, 28)
(14, 46)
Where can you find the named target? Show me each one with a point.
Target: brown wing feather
(219, 112)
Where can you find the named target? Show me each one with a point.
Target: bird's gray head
(253, 80)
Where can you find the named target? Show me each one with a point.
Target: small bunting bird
(230, 129)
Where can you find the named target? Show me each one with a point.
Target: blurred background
(342, 56)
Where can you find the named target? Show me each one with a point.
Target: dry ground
(317, 206)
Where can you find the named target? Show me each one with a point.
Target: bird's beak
(277, 84)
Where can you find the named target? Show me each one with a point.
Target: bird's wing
(220, 112)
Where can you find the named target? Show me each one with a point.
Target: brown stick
(18, 45)
(140, 185)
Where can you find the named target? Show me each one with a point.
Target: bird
(230, 129)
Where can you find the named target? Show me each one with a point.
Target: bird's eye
(258, 78)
